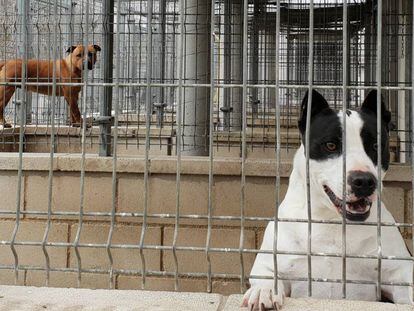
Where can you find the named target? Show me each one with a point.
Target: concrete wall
(129, 198)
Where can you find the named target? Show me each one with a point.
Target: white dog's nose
(362, 184)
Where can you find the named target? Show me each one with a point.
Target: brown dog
(68, 70)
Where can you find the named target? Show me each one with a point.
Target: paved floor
(69, 299)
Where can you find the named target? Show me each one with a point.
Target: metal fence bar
(148, 106)
(243, 151)
(277, 190)
(344, 108)
(52, 145)
(180, 63)
(105, 106)
(114, 152)
(307, 140)
(26, 105)
(379, 149)
(198, 275)
(223, 218)
(202, 249)
(220, 85)
(412, 135)
(25, 12)
(83, 155)
(210, 143)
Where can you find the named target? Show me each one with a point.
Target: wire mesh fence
(131, 58)
(191, 78)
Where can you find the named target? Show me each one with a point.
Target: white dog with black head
(325, 173)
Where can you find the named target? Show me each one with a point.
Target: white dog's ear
(370, 106)
(319, 104)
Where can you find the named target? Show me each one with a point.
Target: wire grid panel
(228, 72)
(198, 78)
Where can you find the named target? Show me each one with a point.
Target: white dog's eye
(330, 146)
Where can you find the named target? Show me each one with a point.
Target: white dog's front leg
(261, 296)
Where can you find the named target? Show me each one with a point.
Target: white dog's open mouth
(357, 210)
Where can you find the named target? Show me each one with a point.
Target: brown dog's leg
(6, 93)
(75, 116)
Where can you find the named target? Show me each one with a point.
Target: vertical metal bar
(114, 151)
(308, 120)
(196, 69)
(227, 63)
(344, 107)
(27, 42)
(277, 190)
(412, 132)
(180, 62)
(52, 144)
(211, 141)
(163, 20)
(236, 64)
(243, 151)
(105, 107)
(379, 149)
(70, 42)
(254, 71)
(23, 18)
(83, 156)
(49, 43)
(147, 135)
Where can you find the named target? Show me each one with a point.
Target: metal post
(379, 151)
(157, 56)
(277, 184)
(237, 63)
(105, 106)
(163, 8)
(197, 70)
(270, 59)
(412, 124)
(159, 65)
(345, 79)
(23, 9)
(52, 146)
(122, 53)
(69, 6)
(402, 57)
(23, 18)
(211, 153)
(132, 63)
(307, 139)
(243, 153)
(254, 50)
(368, 43)
(180, 61)
(226, 109)
(114, 158)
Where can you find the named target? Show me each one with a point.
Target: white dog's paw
(262, 298)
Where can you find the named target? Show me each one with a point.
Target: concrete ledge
(42, 298)
(164, 165)
(157, 164)
(309, 304)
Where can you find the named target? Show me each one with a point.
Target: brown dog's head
(78, 55)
